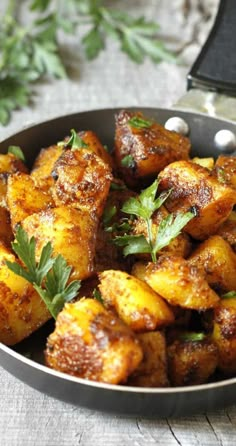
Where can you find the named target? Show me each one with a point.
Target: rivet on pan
(176, 124)
(225, 141)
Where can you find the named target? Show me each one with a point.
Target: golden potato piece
(6, 234)
(24, 198)
(150, 148)
(191, 362)
(180, 283)
(193, 186)
(94, 145)
(204, 162)
(22, 311)
(9, 164)
(44, 164)
(134, 301)
(225, 170)
(224, 334)
(152, 371)
(82, 180)
(91, 342)
(218, 261)
(72, 233)
(228, 230)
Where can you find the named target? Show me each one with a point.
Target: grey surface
(28, 418)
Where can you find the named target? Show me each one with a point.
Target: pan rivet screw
(177, 124)
(225, 141)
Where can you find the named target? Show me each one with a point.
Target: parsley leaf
(49, 276)
(76, 142)
(139, 123)
(16, 150)
(229, 295)
(192, 336)
(128, 161)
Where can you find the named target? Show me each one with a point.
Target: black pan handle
(215, 67)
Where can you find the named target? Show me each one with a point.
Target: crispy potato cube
(180, 283)
(94, 145)
(193, 186)
(225, 170)
(152, 371)
(83, 180)
(9, 164)
(224, 334)
(217, 259)
(179, 246)
(44, 164)
(134, 301)
(22, 311)
(91, 342)
(72, 233)
(6, 234)
(204, 162)
(150, 148)
(24, 198)
(191, 362)
(228, 230)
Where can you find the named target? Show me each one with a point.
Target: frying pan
(25, 361)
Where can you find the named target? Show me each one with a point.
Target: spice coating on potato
(193, 186)
(180, 283)
(20, 202)
(91, 342)
(82, 180)
(224, 334)
(228, 230)
(6, 234)
(94, 145)
(152, 371)
(225, 170)
(151, 148)
(44, 164)
(72, 233)
(134, 301)
(9, 164)
(217, 259)
(22, 311)
(191, 362)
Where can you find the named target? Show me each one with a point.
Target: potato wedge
(194, 186)
(24, 198)
(228, 230)
(72, 233)
(180, 283)
(134, 301)
(91, 342)
(225, 170)
(150, 148)
(9, 164)
(6, 234)
(82, 180)
(43, 166)
(218, 261)
(152, 371)
(22, 311)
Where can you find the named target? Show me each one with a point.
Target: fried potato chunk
(224, 334)
(134, 301)
(72, 233)
(44, 164)
(180, 283)
(204, 162)
(228, 230)
(225, 170)
(9, 164)
(22, 311)
(193, 186)
(83, 180)
(24, 198)
(191, 362)
(152, 371)
(151, 148)
(6, 234)
(91, 342)
(94, 145)
(217, 259)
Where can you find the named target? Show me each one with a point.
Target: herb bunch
(27, 53)
(49, 276)
(143, 207)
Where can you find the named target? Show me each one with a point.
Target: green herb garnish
(49, 276)
(192, 336)
(16, 150)
(76, 142)
(144, 206)
(108, 213)
(139, 123)
(128, 161)
(31, 52)
(97, 295)
(229, 295)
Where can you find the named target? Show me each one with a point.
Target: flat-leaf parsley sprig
(49, 276)
(144, 206)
